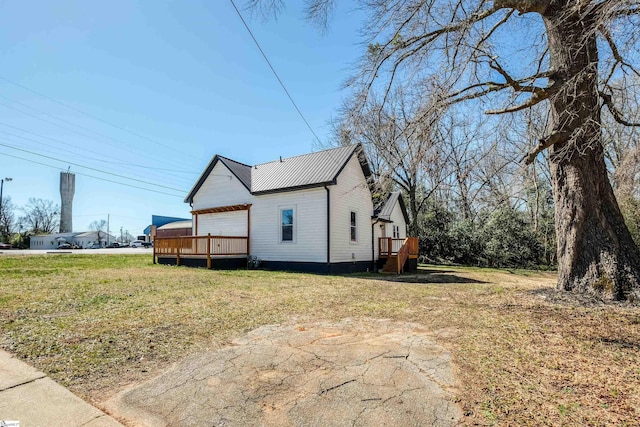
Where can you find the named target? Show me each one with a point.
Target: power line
(64, 143)
(90, 168)
(53, 116)
(87, 114)
(91, 176)
(274, 71)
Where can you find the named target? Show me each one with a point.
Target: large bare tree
(40, 216)
(516, 54)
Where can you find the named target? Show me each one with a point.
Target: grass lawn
(522, 354)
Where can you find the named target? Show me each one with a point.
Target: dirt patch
(362, 372)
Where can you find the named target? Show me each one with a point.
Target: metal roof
(307, 170)
(177, 224)
(291, 173)
(240, 170)
(384, 211)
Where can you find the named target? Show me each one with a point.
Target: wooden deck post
(248, 229)
(179, 239)
(154, 253)
(209, 251)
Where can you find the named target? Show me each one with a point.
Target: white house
(312, 212)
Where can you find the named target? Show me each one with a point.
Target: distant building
(176, 228)
(83, 239)
(159, 221)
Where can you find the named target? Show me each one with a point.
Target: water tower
(67, 190)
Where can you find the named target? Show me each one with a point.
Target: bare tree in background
(402, 142)
(7, 219)
(40, 216)
(100, 227)
(574, 56)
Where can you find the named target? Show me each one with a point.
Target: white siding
(398, 220)
(351, 193)
(221, 188)
(43, 242)
(223, 224)
(310, 226)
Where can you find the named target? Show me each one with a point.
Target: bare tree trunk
(596, 253)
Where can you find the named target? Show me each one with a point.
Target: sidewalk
(32, 399)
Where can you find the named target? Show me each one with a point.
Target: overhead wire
(90, 168)
(73, 130)
(264, 55)
(87, 114)
(66, 160)
(136, 134)
(91, 176)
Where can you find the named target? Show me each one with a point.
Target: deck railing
(204, 246)
(390, 247)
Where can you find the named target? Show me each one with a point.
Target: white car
(138, 244)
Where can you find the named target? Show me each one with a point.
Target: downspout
(328, 227)
(373, 247)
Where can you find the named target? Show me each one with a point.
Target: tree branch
(617, 115)
(544, 143)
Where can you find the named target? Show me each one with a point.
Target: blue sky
(150, 91)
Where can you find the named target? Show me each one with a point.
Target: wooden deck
(209, 247)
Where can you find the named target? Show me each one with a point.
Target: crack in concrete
(23, 383)
(326, 390)
(297, 376)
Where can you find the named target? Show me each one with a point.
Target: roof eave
(295, 188)
(362, 159)
(201, 179)
(205, 174)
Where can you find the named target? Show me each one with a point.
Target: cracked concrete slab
(351, 373)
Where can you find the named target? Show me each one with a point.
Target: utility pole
(108, 235)
(121, 235)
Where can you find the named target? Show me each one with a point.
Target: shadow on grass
(424, 276)
(435, 277)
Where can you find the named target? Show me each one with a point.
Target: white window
(396, 231)
(354, 227)
(287, 225)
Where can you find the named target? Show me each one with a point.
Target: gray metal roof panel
(240, 170)
(317, 168)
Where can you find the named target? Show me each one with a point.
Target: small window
(396, 232)
(354, 227)
(287, 225)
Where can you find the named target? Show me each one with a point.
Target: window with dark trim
(286, 222)
(354, 227)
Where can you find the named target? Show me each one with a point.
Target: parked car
(139, 244)
(65, 246)
(115, 245)
(5, 246)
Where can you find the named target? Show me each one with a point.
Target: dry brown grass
(523, 355)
